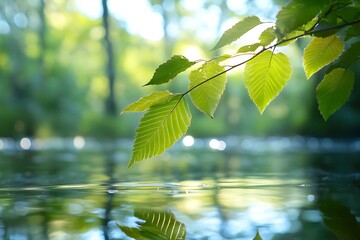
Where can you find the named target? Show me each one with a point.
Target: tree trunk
(110, 105)
(42, 42)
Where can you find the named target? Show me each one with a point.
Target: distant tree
(38, 92)
(110, 104)
(42, 40)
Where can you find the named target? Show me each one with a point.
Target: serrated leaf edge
(184, 115)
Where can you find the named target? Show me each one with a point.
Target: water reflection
(155, 224)
(339, 219)
(188, 141)
(88, 194)
(217, 144)
(25, 143)
(109, 171)
(79, 142)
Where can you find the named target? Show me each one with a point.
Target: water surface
(282, 188)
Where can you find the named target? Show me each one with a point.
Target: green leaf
(284, 40)
(267, 36)
(236, 31)
(334, 90)
(160, 127)
(341, 13)
(324, 30)
(164, 222)
(348, 14)
(257, 236)
(132, 232)
(249, 48)
(207, 96)
(349, 57)
(297, 13)
(352, 31)
(321, 52)
(294, 35)
(156, 225)
(265, 77)
(148, 101)
(339, 220)
(356, 3)
(170, 69)
(222, 58)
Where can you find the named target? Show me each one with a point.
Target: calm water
(282, 188)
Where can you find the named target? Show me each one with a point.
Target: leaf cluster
(332, 25)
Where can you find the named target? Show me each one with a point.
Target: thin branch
(267, 48)
(322, 17)
(316, 31)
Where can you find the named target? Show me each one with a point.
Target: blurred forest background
(68, 67)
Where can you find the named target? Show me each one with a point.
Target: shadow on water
(283, 190)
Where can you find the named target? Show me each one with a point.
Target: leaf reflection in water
(257, 236)
(339, 219)
(155, 224)
(159, 224)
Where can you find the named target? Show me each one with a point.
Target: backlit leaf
(292, 36)
(265, 77)
(321, 52)
(297, 13)
(207, 96)
(146, 102)
(236, 31)
(351, 55)
(160, 127)
(267, 36)
(249, 48)
(334, 90)
(170, 69)
(222, 58)
(289, 38)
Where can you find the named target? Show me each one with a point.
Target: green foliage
(265, 77)
(348, 58)
(320, 52)
(161, 126)
(249, 48)
(156, 225)
(353, 31)
(298, 13)
(237, 31)
(148, 101)
(167, 71)
(339, 219)
(334, 90)
(333, 27)
(267, 36)
(206, 94)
